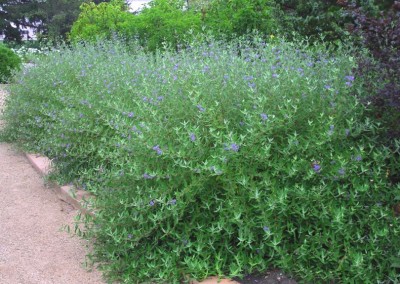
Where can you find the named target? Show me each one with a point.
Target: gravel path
(3, 95)
(33, 249)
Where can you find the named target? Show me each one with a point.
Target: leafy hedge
(224, 158)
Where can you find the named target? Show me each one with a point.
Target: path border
(67, 193)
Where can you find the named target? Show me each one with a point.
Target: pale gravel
(3, 94)
(33, 248)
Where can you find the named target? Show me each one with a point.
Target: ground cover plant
(220, 159)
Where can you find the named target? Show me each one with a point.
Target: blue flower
(172, 202)
(331, 128)
(264, 117)
(266, 229)
(200, 108)
(192, 137)
(234, 147)
(349, 78)
(136, 130)
(152, 203)
(130, 114)
(130, 236)
(316, 167)
(158, 149)
(147, 176)
(358, 158)
(341, 171)
(251, 85)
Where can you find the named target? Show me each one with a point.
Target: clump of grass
(221, 159)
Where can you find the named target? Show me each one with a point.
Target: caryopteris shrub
(204, 162)
(9, 61)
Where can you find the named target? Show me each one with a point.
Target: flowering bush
(222, 159)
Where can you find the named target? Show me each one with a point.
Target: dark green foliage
(239, 17)
(205, 162)
(9, 61)
(313, 19)
(57, 17)
(317, 19)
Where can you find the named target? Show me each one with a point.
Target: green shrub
(9, 61)
(222, 159)
(239, 17)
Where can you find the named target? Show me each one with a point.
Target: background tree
(100, 21)
(57, 17)
(15, 14)
(238, 17)
(52, 19)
